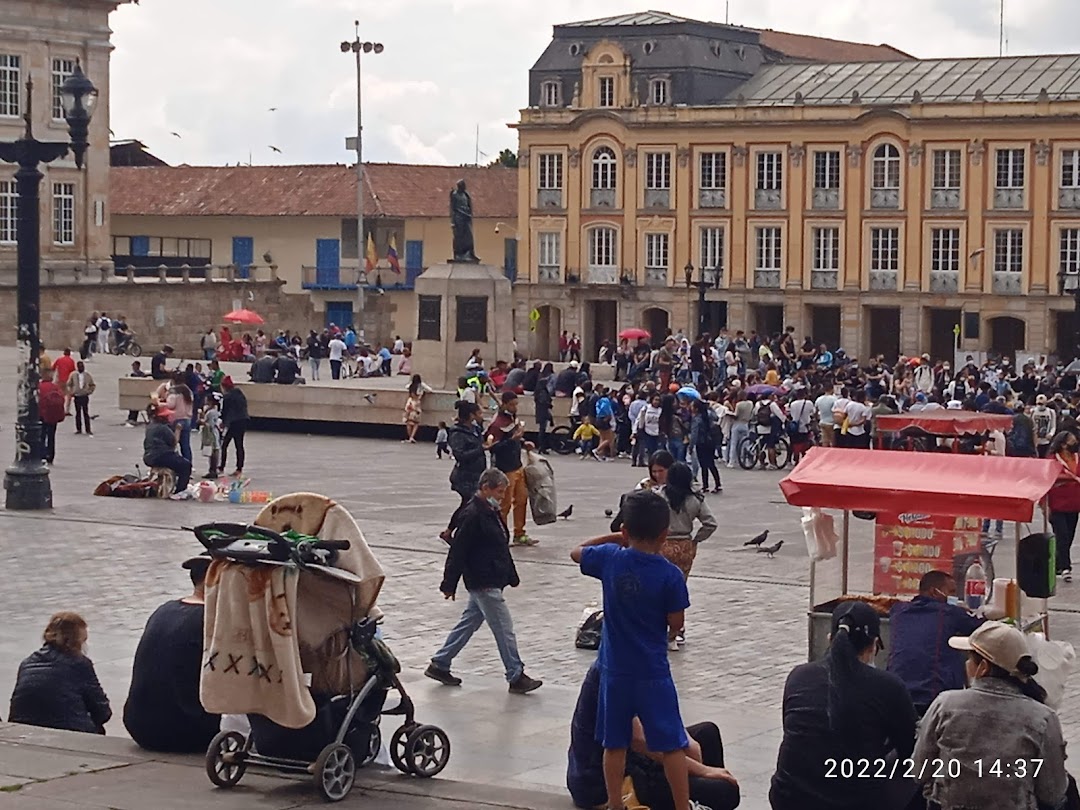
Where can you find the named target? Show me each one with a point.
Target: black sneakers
(443, 676)
(523, 684)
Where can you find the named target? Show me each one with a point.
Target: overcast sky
(210, 70)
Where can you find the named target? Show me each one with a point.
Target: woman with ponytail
(1007, 745)
(845, 723)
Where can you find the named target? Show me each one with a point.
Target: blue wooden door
(140, 246)
(328, 263)
(510, 258)
(339, 312)
(414, 261)
(243, 255)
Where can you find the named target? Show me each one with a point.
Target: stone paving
(116, 560)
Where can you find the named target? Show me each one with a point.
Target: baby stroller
(346, 675)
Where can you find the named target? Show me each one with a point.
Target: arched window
(886, 173)
(603, 169)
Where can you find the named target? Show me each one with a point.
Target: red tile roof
(394, 190)
(801, 47)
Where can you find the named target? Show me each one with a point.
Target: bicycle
(129, 347)
(752, 451)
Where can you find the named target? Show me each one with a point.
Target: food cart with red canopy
(915, 428)
(927, 508)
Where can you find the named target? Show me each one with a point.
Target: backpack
(764, 415)
(1018, 441)
(51, 406)
(588, 635)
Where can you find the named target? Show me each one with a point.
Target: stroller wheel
(399, 748)
(335, 770)
(427, 751)
(374, 744)
(225, 759)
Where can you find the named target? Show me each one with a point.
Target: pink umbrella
(634, 333)
(245, 316)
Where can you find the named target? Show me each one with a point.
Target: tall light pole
(27, 479)
(708, 280)
(357, 47)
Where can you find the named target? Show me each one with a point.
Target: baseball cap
(926, 357)
(857, 618)
(575, 364)
(920, 397)
(1040, 399)
(197, 561)
(1002, 645)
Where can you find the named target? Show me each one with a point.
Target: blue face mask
(495, 502)
(953, 600)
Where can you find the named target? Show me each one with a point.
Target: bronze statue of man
(461, 221)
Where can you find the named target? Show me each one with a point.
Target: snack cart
(921, 430)
(927, 508)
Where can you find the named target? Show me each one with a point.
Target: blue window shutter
(140, 246)
(327, 262)
(243, 255)
(414, 261)
(510, 247)
(339, 313)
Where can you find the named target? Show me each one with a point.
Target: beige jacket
(85, 390)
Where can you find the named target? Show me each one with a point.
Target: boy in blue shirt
(645, 598)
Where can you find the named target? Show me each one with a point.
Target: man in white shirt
(1045, 420)
(825, 404)
(399, 345)
(336, 348)
(839, 415)
(731, 363)
(802, 412)
(924, 375)
(858, 415)
(769, 421)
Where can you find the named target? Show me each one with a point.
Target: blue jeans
(314, 363)
(677, 448)
(739, 431)
(999, 527)
(484, 604)
(185, 438)
(652, 444)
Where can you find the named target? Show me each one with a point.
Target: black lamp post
(707, 279)
(27, 479)
(1069, 283)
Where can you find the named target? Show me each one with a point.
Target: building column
(851, 326)
(911, 329)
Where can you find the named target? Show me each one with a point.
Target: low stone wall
(172, 312)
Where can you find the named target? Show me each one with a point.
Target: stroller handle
(332, 545)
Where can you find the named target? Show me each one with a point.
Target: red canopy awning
(995, 487)
(944, 422)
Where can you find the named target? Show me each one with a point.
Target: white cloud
(449, 65)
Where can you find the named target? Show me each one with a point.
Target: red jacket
(50, 403)
(64, 367)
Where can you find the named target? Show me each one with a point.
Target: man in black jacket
(480, 553)
(470, 459)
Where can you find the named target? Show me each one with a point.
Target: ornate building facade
(873, 201)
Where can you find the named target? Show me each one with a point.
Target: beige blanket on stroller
(251, 656)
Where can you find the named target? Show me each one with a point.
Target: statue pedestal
(461, 306)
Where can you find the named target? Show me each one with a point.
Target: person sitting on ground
(57, 686)
(711, 784)
(159, 446)
(920, 629)
(1009, 746)
(586, 436)
(163, 712)
(842, 710)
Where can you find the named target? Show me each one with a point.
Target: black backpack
(588, 635)
(764, 414)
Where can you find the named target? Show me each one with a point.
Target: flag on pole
(391, 255)
(372, 256)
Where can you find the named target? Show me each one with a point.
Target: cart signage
(908, 545)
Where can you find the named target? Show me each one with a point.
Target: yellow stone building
(871, 200)
(41, 40)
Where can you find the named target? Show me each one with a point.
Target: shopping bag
(1056, 660)
(819, 530)
(540, 482)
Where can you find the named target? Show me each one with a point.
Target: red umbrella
(633, 334)
(244, 316)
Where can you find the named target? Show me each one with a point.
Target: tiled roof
(394, 190)
(927, 81)
(643, 18)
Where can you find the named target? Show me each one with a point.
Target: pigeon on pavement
(567, 512)
(770, 550)
(757, 541)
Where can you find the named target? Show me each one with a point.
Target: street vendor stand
(914, 488)
(939, 424)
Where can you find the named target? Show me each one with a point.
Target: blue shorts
(654, 702)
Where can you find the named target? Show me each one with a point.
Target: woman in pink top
(181, 402)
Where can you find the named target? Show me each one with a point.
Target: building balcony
(658, 198)
(602, 275)
(944, 281)
(1069, 198)
(1006, 283)
(656, 277)
(549, 198)
(549, 274)
(884, 280)
(826, 199)
(824, 279)
(602, 198)
(765, 279)
(712, 198)
(888, 198)
(329, 278)
(945, 198)
(768, 199)
(1009, 199)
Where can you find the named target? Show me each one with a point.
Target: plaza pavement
(116, 560)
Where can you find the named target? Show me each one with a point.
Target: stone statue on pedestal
(461, 217)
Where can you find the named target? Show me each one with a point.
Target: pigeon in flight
(770, 550)
(275, 149)
(757, 541)
(175, 134)
(370, 398)
(567, 512)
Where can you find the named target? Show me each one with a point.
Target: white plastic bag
(819, 530)
(1056, 660)
(540, 481)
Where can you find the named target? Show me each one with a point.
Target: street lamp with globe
(708, 279)
(26, 481)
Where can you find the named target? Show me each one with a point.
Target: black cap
(198, 561)
(857, 618)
